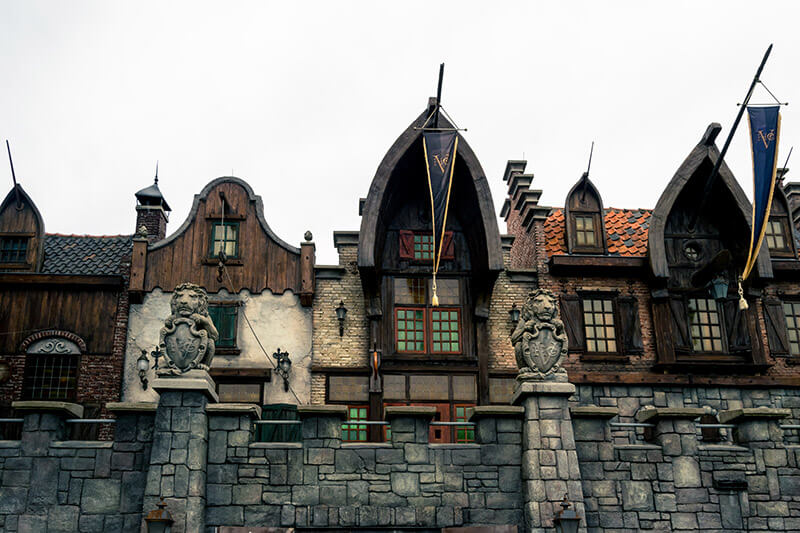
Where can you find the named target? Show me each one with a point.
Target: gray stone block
(132, 491)
(247, 494)
(225, 516)
(100, 496)
(500, 454)
(684, 521)
(265, 515)
(416, 453)
(357, 492)
(218, 494)
(222, 473)
(389, 455)
(386, 499)
(198, 450)
(405, 483)
(348, 461)
(305, 495)
(320, 456)
(217, 446)
(32, 524)
(686, 471)
(637, 496)
(333, 495)
(63, 519)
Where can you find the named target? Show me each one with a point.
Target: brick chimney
(152, 212)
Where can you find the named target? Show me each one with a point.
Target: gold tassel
(742, 302)
(434, 298)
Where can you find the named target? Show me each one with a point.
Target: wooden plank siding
(89, 313)
(262, 263)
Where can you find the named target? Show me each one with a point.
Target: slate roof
(85, 254)
(626, 232)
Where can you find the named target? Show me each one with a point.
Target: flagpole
(13, 176)
(712, 177)
(438, 97)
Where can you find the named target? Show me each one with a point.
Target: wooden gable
(22, 224)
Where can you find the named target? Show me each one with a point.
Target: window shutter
(680, 324)
(630, 328)
(736, 326)
(572, 315)
(406, 248)
(448, 248)
(775, 320)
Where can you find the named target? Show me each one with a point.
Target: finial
(156, 178)
(308, 236)
(141, 232)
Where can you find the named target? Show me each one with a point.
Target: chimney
(152, 212)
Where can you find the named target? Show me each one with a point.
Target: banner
(765, 126)
(440, 155)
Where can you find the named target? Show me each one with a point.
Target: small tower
(152, 211)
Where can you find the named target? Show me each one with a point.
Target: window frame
(602, 297)
(786, 233)
(723, 330)
(71, 394)
(404, 254)
(28, 238)
(796, 318)
(466, 429)
(620, 355)
(347, 429)
(599, 236)
(218, 222)
(234, 349)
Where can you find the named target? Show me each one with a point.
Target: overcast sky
(303, 99)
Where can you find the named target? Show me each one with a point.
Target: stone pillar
(177, 471)
(673, 429)
(549, 459)
(43, 424)
(756, 427)
(410, 426)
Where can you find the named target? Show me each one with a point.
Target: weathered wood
(584, 199)
(596, 265)
(59, 279)
(138, 265)
(662, 328)
(775, 322)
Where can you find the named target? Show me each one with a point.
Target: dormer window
(584, 219)
(418, 246)
(778, 234)
(225, 236)
(13, 249)
(776, 237)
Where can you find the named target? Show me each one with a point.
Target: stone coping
(193, 380)
(523, 389)
(307, 411)
(9, 443)
(421, 411)
(368, 445)
(276, 445)
(753, 413)
(495, 411)
(593, 411)
(637, 447)
(654, 414)
(455, 446)
(73, 410)
(82, 444)
(234, 409)
(723, 448)
(132, 407)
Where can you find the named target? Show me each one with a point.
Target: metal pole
(13, 176)
(712, 177)
(438, 97)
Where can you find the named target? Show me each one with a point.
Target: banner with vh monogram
(440, 155)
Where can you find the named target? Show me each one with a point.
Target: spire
(151, 196)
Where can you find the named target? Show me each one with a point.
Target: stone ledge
(82, 444)
(278, 445)
(753, 413)
(540, 388)
(495, 411)
(193, 380)
(72, 409)
(593, 411)
(453, 446)
(723, 448)
(234, 409)
(132, 407)
(9, 443)
(367, 445)
(396, 411)
(307, 411)
(637, 447)
(654, 414)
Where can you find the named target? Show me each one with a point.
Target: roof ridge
(86, 235)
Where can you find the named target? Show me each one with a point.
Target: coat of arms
(188, 337)
(539, 340)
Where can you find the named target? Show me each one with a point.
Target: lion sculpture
(539, 340)
(188, 338)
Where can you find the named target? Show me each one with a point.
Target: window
(423, 246)
(420, 328)
(418, 245)
(13, 249)
(225, 236)
(585, 231)
(466, 433)
(279, 432)
(224, 315)
(791, 311)
(776, 237)
(704, 325)
(598, 319)
(51, 370)
(355, 432)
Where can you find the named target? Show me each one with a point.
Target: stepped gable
(85, 254)
(626, 232)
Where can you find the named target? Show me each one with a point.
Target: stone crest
(188, 337)
(539, 340)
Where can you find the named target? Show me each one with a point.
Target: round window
(692, 251)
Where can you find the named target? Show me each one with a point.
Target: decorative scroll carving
(187, 340)
(539, 340)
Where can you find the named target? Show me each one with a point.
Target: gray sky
(303, 99)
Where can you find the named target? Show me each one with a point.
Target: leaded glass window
(423, 246)
(355, 432)
(704, 325)
(13, 249)
(775, 237)
(445, 331)
(225, 236)
(585, 231)
(410, 330)
(598, 319)
(464, 434)
(792, 312)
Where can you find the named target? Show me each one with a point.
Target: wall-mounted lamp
(375, 366)
(142, 364)
(514, 313)
(283, 367)
(5, 371)
(159, 520)
(341, 312)
(566, 520)
(718, 287)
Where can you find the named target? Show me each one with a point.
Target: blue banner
(440, 157)
(765, 125)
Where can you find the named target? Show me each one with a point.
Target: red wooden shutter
(448, 248)
(406, 247)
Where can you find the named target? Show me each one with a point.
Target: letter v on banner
(765, 127)
(440, 155)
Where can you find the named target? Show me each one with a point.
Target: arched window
(586, 233)
(51, 367)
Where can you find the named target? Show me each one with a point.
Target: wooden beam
(600, 265)
(60, 279)
(651, 378)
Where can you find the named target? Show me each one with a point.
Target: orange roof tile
(626, 232)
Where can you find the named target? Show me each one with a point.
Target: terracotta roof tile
(626, 232)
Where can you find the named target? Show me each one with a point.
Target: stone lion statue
(188, 337)
(539, 340)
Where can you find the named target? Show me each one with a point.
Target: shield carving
(543, 350)
(185, 345)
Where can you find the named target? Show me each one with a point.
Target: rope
(253, 331)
